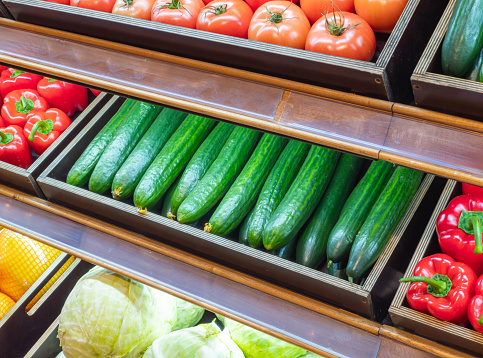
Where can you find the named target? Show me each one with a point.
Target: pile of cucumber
(292, 199)
(462, 48)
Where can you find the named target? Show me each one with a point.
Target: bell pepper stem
(480, 321)
(470, 223)
(476, 222)
(44, 127)
(438, 285)
(24, 105)
(5, 138)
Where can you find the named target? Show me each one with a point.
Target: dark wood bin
(436, 91)
(19, 330)
(403, 316)
(24, 179)
(370, 300)
(387, 77)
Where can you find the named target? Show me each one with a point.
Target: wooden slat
(421, 343)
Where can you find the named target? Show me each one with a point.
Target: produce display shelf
(402, 315)
(437, 143)
(434, 90)
(369, 127)
(367, 299)
(25, 179)
(33, 323)
(385, 76)
(306, 322)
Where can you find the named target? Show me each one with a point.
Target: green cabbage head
(256, 344)
(188, 314)
(109, 315)
(202, 341)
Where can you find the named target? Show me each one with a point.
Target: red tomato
(315, 9)
(99, 5)
(281, 23)
(177, 12)
(140, 9)
(228, 17)
(358, 42)
(64, 2)
(381, 15)
(255, 4)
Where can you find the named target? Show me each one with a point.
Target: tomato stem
(337, 28)
(276, 17)
(216, 10)
(174, 4)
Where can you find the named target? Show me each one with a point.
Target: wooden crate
(386, 77)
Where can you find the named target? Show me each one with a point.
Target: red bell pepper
(13, 79)
(3, 68)
(2, 124)
(441, 287)
(14, 148)
(459, 229)
(65, 96)
(469, 189)
(475, 308)
(95, 92)
(44, 127)
(19, 103)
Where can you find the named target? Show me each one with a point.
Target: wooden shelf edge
(437, 117)
(421, 343)
(205, 66)
(435, 169)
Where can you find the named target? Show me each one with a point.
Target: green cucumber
(276, 186)
(464, 37)
(243, 193)
(337, 269)
(475, 72)
(302, 197)
(200, 162)
(221, 174)
(133, 168)
(288, 251)
(243, 232)
(312, 244)
(390, 207)
(355, 210)
(166, 208)
(127, 136)
(171, 160)
(82, 169)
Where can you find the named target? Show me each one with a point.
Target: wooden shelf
(433, 142)
(436, 143)
(305, 322)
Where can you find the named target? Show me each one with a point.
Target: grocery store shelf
(436, 143)
(306, 322)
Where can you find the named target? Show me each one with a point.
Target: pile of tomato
(342, 28)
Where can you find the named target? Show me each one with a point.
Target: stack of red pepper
(35, 111)
(445, 285)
